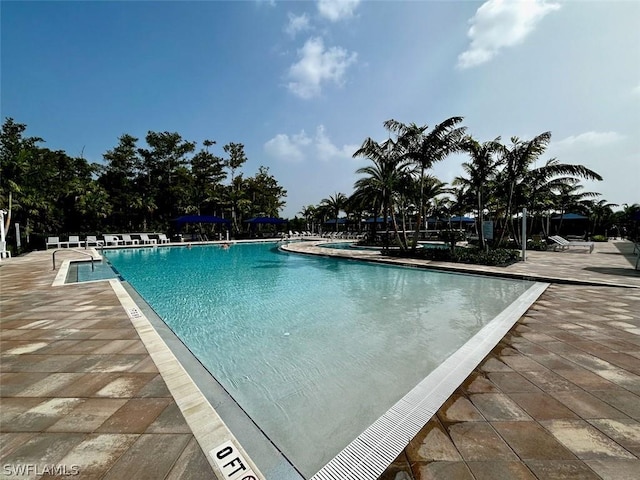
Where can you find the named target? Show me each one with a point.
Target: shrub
(494, 257)
(599, 238)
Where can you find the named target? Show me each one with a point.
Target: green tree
(166, 181)
(481, 172)
(424, 148)
(16, 153)
(235, 194)
(208, 173)
(119, 179)
(335, 203)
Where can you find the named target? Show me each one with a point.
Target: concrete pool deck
(558, 397)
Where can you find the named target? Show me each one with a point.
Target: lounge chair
(93, 240)
(145, 240)
(162, 238)
(53, 241)
(74, 240)
(127, 240)
(112, 240)
(564, 244)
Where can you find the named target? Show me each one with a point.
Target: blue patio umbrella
(462, 220)
(267, 220)
(569, 216)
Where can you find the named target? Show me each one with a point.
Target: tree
(265, 194)
(208, 173)
(382, 178)
(16, 153)
(235, 194)
(424, 148)
(308, 213)
(166, 181)
(481, 172)
(335, 203)
(118, 179)
(515, 180)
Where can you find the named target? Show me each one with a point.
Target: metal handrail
(77, 251)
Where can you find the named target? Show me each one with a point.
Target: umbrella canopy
(462, 219)
(569, 216)
(199, 219)
(376, 220)
(269, 220)
(341, 221)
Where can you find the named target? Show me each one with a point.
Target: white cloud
(500, 24)
(636, 90)
(297, 24)
(327, 150)
(297, 148)
(336, 10)
(288, 149)
(318, 66)
(588, 139)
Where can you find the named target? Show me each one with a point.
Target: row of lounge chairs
(107, 240)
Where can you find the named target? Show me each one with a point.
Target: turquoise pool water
(82, 272)
(313, 349)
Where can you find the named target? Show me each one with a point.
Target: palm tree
(383, 177)
(515, 179)
(335, 203)
(426, 148)
(600, 213)
(308, 212)
(481, 171)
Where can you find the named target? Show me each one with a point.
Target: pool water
(313, 349)
(82, 272)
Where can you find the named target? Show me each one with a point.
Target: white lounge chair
(93, 240)
(127, 240)
(74, 240)
(53, 241)
(564, 244)
(112, 240)
(162, 238)
(145, 240)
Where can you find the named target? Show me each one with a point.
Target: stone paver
(557, 398)
(78, 388)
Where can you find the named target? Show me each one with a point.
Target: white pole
(2, 237)
(524, 234)
(18, 242)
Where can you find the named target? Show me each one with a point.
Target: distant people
(225, 246)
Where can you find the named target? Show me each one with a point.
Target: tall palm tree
(383, 176)
(424, 148)
(515, 178)
(481, 172)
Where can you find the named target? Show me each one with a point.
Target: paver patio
(557, 398)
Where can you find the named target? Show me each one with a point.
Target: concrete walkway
(558, 398)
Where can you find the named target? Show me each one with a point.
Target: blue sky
(302, 84)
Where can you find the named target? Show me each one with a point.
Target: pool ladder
(77, 251)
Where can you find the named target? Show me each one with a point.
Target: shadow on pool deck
(558, 397)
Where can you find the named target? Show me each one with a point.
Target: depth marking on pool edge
(231, 462)
(369, 454)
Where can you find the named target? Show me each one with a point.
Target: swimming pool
(313, 349)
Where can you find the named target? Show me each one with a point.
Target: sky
(303, 83)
